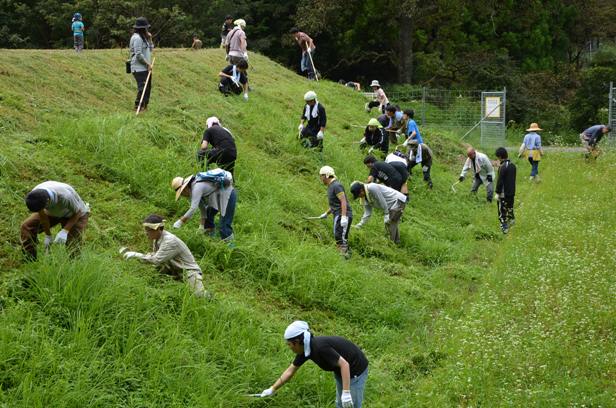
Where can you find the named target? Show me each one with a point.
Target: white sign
(492, 107)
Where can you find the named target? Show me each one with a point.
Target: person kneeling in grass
(505, 189)
(169, 254)
(330, 353)
(234, 79)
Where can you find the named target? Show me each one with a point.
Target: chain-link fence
(612, 113)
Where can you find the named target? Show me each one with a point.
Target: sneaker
(531, 178)
(505, 228)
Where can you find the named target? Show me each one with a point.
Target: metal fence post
(611, 116)
(423, 107)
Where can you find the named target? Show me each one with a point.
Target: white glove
(178, 224)
(324, 215)
(358, 226)
(406, 142)
(300, 127)
(344, 221)
(129, 254)
(245, 96)
(425, 168)
(246, 56)
(346, 399)
(123, 250)
(386, 219)
(267, 393)
(61, 237)
(363, 140)
(320, 135)
(48, 241)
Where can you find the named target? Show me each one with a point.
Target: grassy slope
(101, 332)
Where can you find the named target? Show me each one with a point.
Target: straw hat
(533, 127)
(375, 83)
(179, 184)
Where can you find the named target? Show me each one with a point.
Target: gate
(611, 120)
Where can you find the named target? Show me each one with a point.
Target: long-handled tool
(147, 81)
(253, 395)
(453, 186)
(316, 77)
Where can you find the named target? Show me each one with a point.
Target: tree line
(537, 49)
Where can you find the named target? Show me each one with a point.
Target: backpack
(219, 177)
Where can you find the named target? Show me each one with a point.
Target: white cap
(327, 171)
(240, 22)
(211, 121)
(310, 96)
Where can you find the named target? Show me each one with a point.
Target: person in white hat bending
(330, 353)
(338, 206)
(211, 192)
(169, 253)
(313, 122)
(380, 98)
(236, 43)
(531, 148)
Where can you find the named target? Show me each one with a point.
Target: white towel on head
(295, 329)
(315, 111)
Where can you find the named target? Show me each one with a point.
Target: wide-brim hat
(533, 127)
(179, 184)
(375, 83)
(141, 22)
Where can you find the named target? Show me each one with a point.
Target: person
(306, 44)
(338, 206)
(331, 353)
(227, 26)
(141, 47)
(411, 129)
(394, 119)
(531, 148)
(52, 203)
(313, 121)
(482, 170)
(236, 43)
(393, 174)
(197, 44)
(169, 254)
(505, 189)
(421, 154)
(78, 29)
(234, 79)
(380, 99)
(355, 85)
(591, 137)
(223, 151)
(392, 203)
(375, 137)
(211, 192)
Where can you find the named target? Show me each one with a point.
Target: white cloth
(391, 157)
(315, 111)
(482, 167)
(212, 120)
(295, 329)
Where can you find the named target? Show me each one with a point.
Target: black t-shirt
(318, 122)
(386, 174)
(335, 188)
(229, 71)
(326, 350)
(219, 138)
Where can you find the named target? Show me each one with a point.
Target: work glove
(320, 135)
(123, 250)
(489, 178)
(48, 241)
(344, 221)
(406, 142)
(178, 224)
(323, 216)
(386, 219)
(129, 254)
(461, 179)
(245, 96)
(246, 56)
(346, 399)
(300, 127)
(359, 225)
(425, 168)
(267, 393)
(61, 237)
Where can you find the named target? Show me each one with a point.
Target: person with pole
(390, 201)
(52, 203)
(169, 254)
(306, 44)
(141, 62)
(313, 121)
(78, 29)
(531, 147)
(505, 189)
(338, 206)
(483, 172)
(331, 353)
(223, 151)
(591, 137)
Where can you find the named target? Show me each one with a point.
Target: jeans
(140, 77)
(489, 188)
(358, 384)
(306, 64)
(534, 170)
(226, 229)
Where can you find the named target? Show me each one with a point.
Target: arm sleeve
(303, 117)
(138, 50)
(367, 213)
(195, 199)
(322, 117)
(501, 178)
(538, 142)
(381, 200)
(165, 253)
(467, 166)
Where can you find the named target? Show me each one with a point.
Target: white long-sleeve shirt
(380, 196)
(172, 251)
(481, 166)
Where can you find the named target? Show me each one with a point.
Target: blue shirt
(77, 28)
(412, 126)
(594, 132)
(532, 141)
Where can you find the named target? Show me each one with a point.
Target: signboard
(492, 107)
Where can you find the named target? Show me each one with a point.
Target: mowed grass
(99, 331)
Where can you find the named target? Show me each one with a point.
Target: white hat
(310, 96)
(327, 171)
(240, 22)
(211, 121)
(295, 329)
(375, 83)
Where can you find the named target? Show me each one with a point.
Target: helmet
(327, 171)
(310, 96)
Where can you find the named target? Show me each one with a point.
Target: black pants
(227, 86)
(141, 77)
(505, 210)
(224, 158)
(309, 138)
